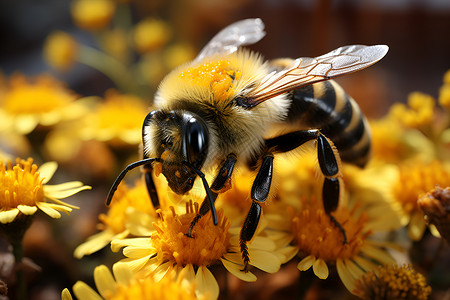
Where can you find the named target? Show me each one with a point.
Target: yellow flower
(178, 54)
(392, 283)
(125, 285)
(310, 230)
(42, 101)
(23, 190)
(60, 50)
(420, 110)
(131, 212)
(115, 43)
(151, 34)
(413, 181)
(170, 250)
(117, 120)
(92, 14)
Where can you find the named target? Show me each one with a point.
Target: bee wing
(229, 39)
(304, 71)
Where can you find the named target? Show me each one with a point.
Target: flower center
(20, 184)
(317, 235)
(416, 180)
(393, 282)
(44, 96)
(125, 197)
(208, 244)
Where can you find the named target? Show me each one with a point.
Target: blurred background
(415, 30)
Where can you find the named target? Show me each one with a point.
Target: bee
(215, 112)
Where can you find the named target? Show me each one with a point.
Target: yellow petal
(27, 210)
(365, 264)
(66, 193)
(434, 231)
(65, 295)
(134, 252)
(235, 269)
(47, 170)
(162, 270)
(135, 265)
(8, 216)
(416, 226)
(187, 276)
(85, 292)
(345, 275)
(63, 186)
(306, 263)
(25, 123)
(48, 210)
(94, 243)
(320, 268)
(116, 245)
(288, 253)
(377, 254)
(104, 281)
(122, 273)
(354, 269)
(265, 261)
(207, 284)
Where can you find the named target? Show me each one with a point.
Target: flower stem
(109, 66)
(21, 286)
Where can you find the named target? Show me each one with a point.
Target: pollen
(317, 235)
(393, 282)
(20, 184)
(208, 244)
(217, 76)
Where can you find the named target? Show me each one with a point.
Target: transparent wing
(304, 71)
(229, 39)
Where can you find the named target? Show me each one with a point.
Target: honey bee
(214, 113)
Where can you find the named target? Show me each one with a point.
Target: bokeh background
(416, 32)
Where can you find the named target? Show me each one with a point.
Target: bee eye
(195, 141)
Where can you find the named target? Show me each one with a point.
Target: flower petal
(25, 123)
(65, 193)
(306, 263)
(27, 210)
(94, 243)
(47, 170)
(65, 295)
(104, 281)
(345, 275)
(135, 265)
(122, 273)
(377, 254)
(48, 210)
(416, 226)
(265, 261)
(8, 216)
(320, 268)
(207, 284)
(85, 292)
(235, 269)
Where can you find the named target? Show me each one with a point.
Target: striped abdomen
(327, 107)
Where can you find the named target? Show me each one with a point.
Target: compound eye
(195, 142)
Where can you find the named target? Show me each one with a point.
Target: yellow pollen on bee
(317, 235)
(216, 76)
(208, 244)
(177, 174)
(20, 184)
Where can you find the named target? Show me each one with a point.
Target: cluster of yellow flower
(41, 117)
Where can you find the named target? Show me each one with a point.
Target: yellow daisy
(117, 120)
(414, 179)
(24, 190)
(315, 237)
(44, 100)
(392, 283)
(122, 218)
(60, 50)
(123, 284)
(170, 250)
(151, 34)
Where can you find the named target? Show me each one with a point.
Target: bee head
(179, 139)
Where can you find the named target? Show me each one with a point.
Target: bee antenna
(207, 189)
(122, 174)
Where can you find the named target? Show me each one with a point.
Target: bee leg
(151, 188)
(260, 191)
(329, 165)
(222, 179)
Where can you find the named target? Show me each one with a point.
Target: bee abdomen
(326, 106)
